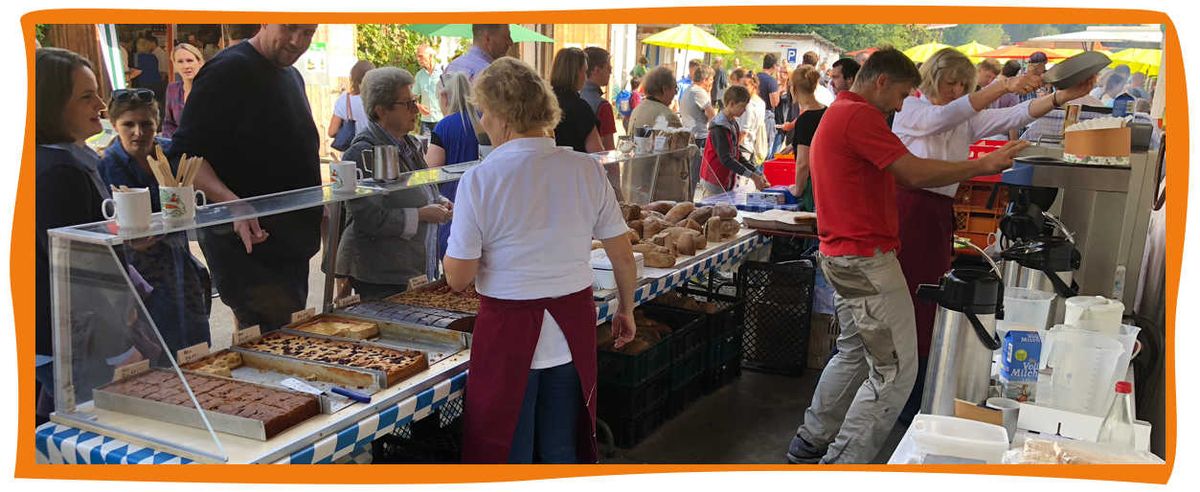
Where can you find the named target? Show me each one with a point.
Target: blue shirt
(457, 137)
(118, 168)
(471, 63)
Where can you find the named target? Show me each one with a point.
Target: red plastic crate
(780, 172)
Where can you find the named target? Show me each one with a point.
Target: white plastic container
(1028, 307)
(943, 437)
(1085, 366)
(603, 270)
(1095, 313)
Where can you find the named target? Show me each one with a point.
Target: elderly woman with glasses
(942, 123)
(178, 289)
(392, 238)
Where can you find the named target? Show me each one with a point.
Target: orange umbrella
(868, 51)
(1019, 52)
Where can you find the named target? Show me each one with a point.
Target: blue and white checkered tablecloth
(59, 444)
(731, 252)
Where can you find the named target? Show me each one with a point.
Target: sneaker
(801, 452)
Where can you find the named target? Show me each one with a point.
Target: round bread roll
(680, 211)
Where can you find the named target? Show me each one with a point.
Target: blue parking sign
(791, 56)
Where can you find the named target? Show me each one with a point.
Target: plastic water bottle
(1117, 429)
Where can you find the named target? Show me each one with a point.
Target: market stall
(107, 412)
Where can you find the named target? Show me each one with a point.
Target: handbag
(346, 132)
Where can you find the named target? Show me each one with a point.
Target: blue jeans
(549, 417)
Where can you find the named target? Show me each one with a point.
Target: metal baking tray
(384, 383)
(436, 343)
(405, 315)
(270, 369)
(184, 415)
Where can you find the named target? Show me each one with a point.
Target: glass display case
(150, 326)
(650, 176)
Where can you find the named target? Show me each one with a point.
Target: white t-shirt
(528, 213)
(360, 116)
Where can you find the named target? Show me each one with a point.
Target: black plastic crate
(631, 371)
(778, 311)
(688, 328)
(686, 394)
(722, 374)
(616, 401)
(688, 366)
(627, 432)
(726, 345)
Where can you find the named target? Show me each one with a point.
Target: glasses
(411, 104)
(139, 95)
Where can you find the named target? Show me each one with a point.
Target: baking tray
(328, 317)
(405, 315)
(438, 284)
(436, 343)
(386, 383)
(270, 369)
(184, 415)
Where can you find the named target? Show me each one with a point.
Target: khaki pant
(864, 387)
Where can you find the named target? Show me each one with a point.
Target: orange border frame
(22, 259)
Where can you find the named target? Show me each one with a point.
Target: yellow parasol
(922, 52)
(688, 37)
(1138, 60)
(973, 48)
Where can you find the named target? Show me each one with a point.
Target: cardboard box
(1108, 146)
(1053, 421)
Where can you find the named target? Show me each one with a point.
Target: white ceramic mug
(1009, 411)
(179, 202)
(345, 176)
(130, 208)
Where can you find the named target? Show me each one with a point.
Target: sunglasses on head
(139, 95)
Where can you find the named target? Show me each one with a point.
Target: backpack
(625, 103)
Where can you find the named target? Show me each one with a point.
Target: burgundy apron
(502, 345)
(926, 232)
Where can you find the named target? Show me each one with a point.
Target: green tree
(40, 31)
(733, 35)
(389, 45)
(851, 37)
(989, 34)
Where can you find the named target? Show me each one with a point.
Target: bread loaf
(725, 211)
(680, 211)
(662, 206)
(690, 224)
(631, 211)
(701, 214)
(712, 229)
(634, 236)
(636, 225)
(643, 247)
(658, 257)
(653, 226)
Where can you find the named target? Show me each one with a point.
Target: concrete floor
(748, 421)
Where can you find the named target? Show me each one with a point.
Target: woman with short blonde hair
(187, 61)
(522, 230)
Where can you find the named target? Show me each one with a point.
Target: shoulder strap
(350, 107)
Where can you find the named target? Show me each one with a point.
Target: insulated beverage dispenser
(964, 337)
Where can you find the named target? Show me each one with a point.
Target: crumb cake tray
(270, 369)
(437, 295)
(232, 407)
(436, 343)
(397, 365)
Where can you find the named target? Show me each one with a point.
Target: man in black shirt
(248, 116)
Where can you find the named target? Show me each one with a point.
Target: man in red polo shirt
(856, 164)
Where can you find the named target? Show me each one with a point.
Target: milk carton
(1019, 364)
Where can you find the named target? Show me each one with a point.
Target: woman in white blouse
(942, 122)
(522, 231)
